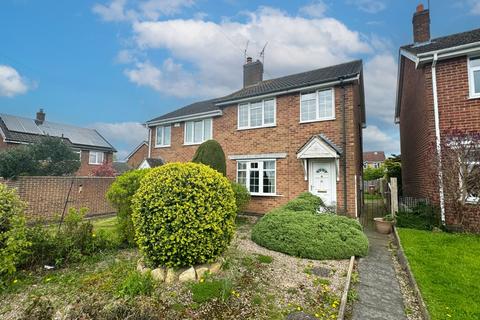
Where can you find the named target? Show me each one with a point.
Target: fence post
(394, 196)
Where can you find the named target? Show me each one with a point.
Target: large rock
(141, 267)
(321, 272)
(215, 267)
(170, 276)
(201, 270)
(187, 275)
(158, 274)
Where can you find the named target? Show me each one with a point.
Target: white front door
(322, 180)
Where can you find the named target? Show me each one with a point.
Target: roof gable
(318, 147)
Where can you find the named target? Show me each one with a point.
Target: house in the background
(150, 163)
(120, 167)
(438, 90)
(373, 159)
(93, 149)
(136, 157)
(281, 137)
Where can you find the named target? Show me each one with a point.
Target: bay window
(256, 114)
(199, 131)
(316, 106)
(474, 76)
(163, 136)
(258, 176)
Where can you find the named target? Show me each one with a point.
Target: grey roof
(20, 129)
(299, 80)
(196, 107)
(121, 167)
(449, 41)
(153, 162)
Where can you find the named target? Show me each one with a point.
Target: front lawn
(255, 283)
(447, 269)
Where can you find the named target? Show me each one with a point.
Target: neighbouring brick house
(93, 149)
(136, 157)
(373, 159)
(438, 90)
(281, 137)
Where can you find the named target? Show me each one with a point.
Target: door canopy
(319, 147)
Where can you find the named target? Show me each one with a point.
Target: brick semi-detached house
(438, 90)
(281, 137)
(92, 149)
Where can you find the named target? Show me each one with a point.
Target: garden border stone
(343, 301)
(403, 260)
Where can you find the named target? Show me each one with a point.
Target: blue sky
(111, 65)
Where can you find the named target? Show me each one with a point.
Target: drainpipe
(437, 137)
(344, 146)
(149, 142)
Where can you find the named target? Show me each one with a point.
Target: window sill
(253, 128)
(158, 147)
(193, 144)
(473, 97)
(318, 120)
(95, 164)
(265, 195)
(472, 201)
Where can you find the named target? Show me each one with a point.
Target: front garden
(447, 268)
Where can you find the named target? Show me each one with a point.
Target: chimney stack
(252, 72)
(40, 116)
(421, 25)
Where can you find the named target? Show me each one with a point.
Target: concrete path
(379, 295)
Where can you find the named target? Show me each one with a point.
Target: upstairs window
(258, 176)
(256, 114)
(199, 131)
(163, 136)
(474, 76)
(96, 157)
(317, 106)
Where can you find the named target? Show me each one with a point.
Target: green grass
(208, 290)
(369, 196)
(447, 269)
(264, 259)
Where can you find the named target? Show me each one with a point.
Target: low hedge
(299, 230)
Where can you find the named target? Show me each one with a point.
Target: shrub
(242, 196)
(211, 154)
(305, 235)
(136, 284)
(120, 195)
(422, 217)
(16, 162)
(104, 170)
(184, 214)
(305, 202)
(13, 241)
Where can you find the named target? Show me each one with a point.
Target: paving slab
(379, 295)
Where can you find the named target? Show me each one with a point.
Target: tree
(211, 153)
(15, 162)
(105, 170)
(54, 157)
(393, 169)
(373, 173)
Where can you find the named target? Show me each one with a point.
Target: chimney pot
(421, 25)
(249, 59)
(40, 116)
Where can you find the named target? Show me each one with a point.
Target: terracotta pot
(383, 226)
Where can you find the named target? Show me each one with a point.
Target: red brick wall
(86, 168)
(417, 127)
(46, 196)
(137, 158)
(287, 137)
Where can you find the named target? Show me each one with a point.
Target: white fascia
(196, 116)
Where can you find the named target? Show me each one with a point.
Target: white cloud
(11, 82)
(115, 11)
(153, 9)
(380, 87)
(369, 6)
(315, 9)
(475, 7)
(122, 133)
(376, 139)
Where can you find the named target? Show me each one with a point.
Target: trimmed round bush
(312, 236)
(305, 202)
(242, 196)
(13, 241)
(120, 195)
(184, 214)
(211, 154)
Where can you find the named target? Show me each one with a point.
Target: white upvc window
(473, 194)
(258, 176)
(474, 76)
(163, 136)
(96, 157)
(78, 153)
(317, 105)
(199, 131)
(257, 114)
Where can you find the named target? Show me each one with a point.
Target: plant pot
(383, 226)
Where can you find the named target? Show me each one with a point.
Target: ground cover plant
(184, 214)
(446, 268)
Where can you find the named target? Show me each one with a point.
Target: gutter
(277, 93)
(193, 116)
(438, 137)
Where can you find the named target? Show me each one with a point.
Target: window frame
(96, 163)
(471, 79)
(192, 143)
(317, 105)
(471, 198)
(249, 104)
(261, 170)
(162, 144)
